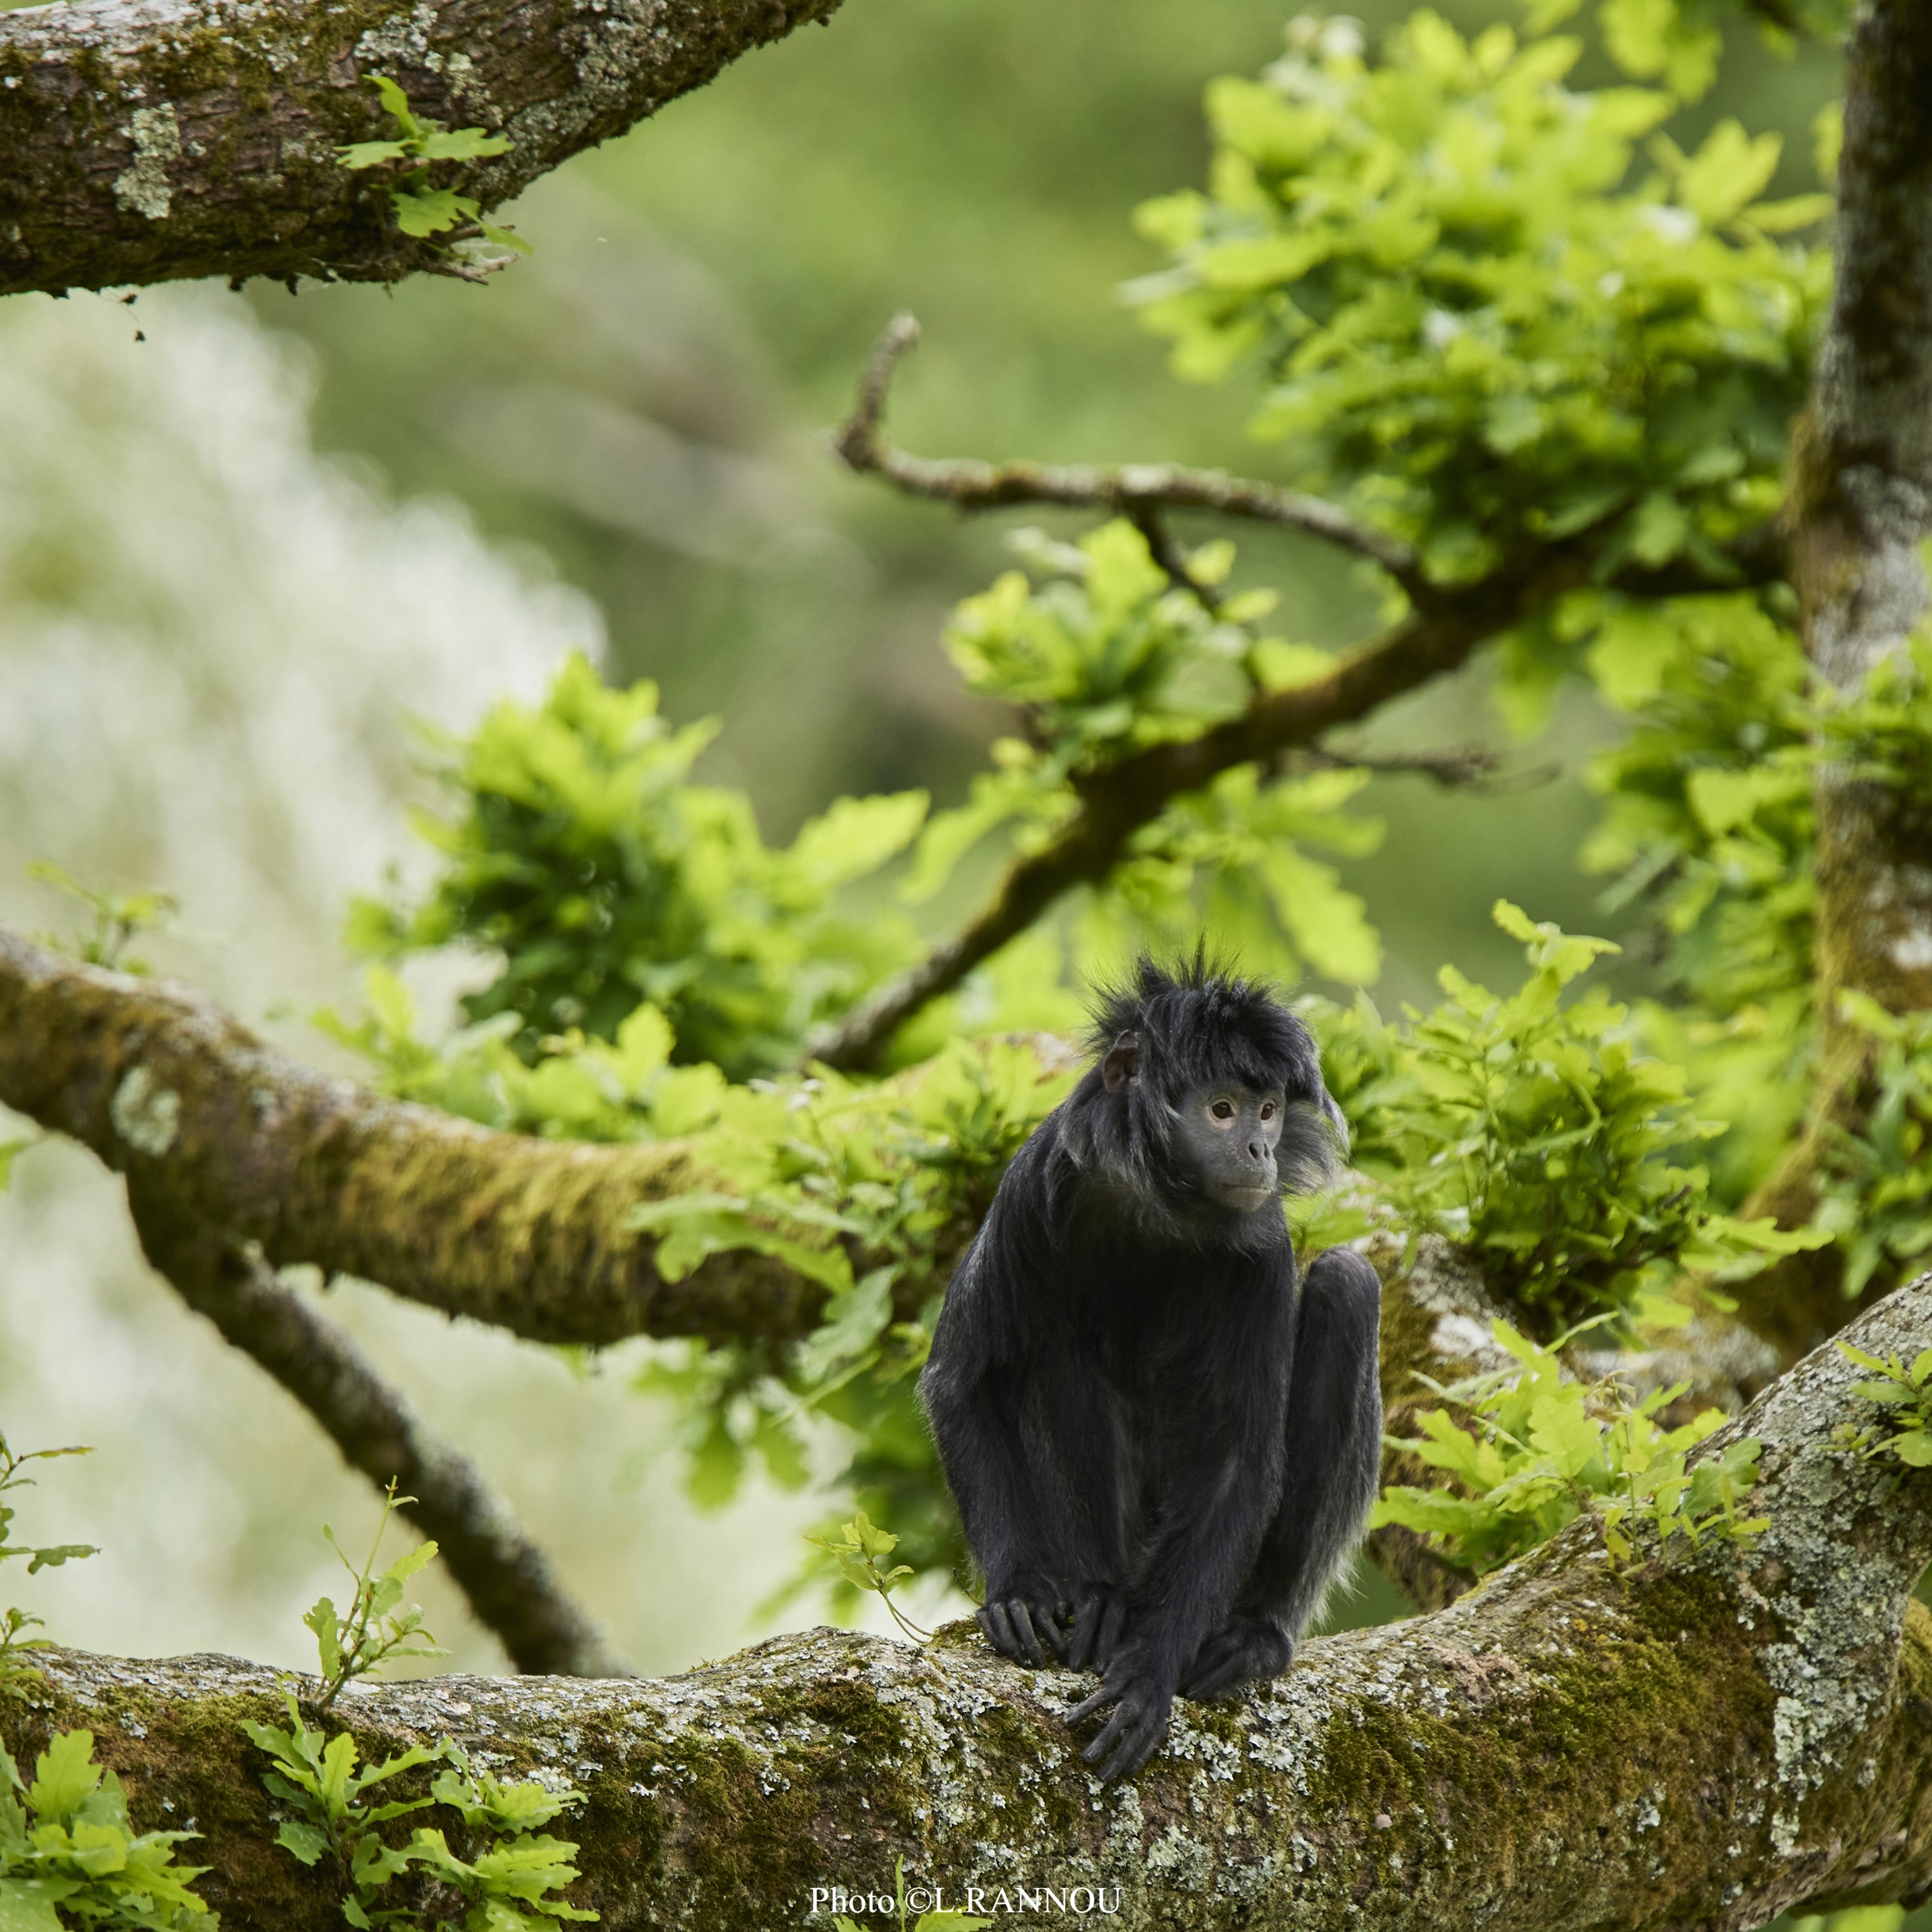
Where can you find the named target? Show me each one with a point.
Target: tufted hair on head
(1183, 1026)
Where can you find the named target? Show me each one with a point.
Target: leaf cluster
(1482, 324)
(1874, 1195)
(895, 1173)
(1904, 1388)
(1883, 733)
(422, 209)
(1539, 1449)
(1532, 1133)
(857, 1549)
(119, 918)
(69, 1855)
(581, 853)
(508, 1883)
(1106, 654)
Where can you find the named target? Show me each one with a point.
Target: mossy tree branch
(1715, 1738)
(235, 1139)
(1861, 505)
(144, 141)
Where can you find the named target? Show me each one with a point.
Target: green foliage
(895, 1173)
(332, 1815)
(422, 209)
(1709, 821)
(1107, 656)
(373, 1631)
(119, 918)
(332, 1819)
(1540, 1450)
(857, 1548)
(607, 881)
(1905, 1388)
(16, 1674)
(1534, 1134)
(1884, 733)
(1875, 1196)
(69, 1855)
(1475, 331)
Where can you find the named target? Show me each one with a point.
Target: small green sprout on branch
(857, 1548)
(422, 209)
(14, 1674)
(1542, 1450)
(1906, 1389)
(504, 1871)
(119, 918)
(373, 1631)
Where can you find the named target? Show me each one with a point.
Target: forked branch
(1130, 489)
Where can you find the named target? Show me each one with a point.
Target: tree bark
(144, 140)
(1714, 1738)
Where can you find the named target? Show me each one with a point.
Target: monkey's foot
(1023, 1630)
(1243, 1649)
(1134, 1733)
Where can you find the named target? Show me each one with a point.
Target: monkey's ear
(1121, 1069)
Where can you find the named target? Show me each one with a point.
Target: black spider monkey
(1162, 1453)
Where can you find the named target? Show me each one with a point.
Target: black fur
(1162, 1453)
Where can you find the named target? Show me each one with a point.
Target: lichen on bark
(148, 141)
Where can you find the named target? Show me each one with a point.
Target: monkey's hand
(1243, 1649)
(1099, 1622)
(1142, 1695)
(1024, 1627)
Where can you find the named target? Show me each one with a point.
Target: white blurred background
(211, 644)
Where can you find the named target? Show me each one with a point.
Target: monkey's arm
(1334, 1459)
(975, 1392)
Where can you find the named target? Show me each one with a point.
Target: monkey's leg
(1332, 1466)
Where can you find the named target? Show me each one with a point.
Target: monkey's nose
(1256, 1152)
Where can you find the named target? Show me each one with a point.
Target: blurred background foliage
(243, 541)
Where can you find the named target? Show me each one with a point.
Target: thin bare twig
(1126, 488)
(509, 1580)
(1146, 518)
(1466, 768)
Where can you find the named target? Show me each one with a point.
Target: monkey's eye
(1267, 1110)
(1223, 1111)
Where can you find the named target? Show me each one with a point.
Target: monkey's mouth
(1247, 1196)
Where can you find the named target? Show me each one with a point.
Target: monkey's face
(1225, 1135)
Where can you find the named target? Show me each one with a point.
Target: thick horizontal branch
(1710, 1741)
(143, 141)
(512, 1588)
(1126, 487)
(239, 1141)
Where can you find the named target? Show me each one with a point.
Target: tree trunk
(1861, 505)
